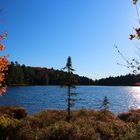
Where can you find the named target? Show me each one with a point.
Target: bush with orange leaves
(3, 65)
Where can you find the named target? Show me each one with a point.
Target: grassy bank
(15, 124)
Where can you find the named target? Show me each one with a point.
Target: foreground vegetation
(15, 124)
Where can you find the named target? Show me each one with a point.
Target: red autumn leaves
(3, 65)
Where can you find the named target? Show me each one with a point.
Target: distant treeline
(127, 80)
(26, 75)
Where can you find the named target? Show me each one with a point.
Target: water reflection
(134, 100)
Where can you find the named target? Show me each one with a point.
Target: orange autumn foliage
(3, 65)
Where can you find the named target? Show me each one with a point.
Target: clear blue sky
(45, 32)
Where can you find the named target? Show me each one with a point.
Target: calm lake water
(37, 98)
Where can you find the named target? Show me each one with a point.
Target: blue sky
(45, 32)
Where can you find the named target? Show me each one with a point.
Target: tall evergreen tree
(69, 82)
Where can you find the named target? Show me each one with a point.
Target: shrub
(131, 116)
(51, 116)
(8, 128)
(60, 131)
(85, 125)
(14, 112)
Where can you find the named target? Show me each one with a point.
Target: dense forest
(27, 75)
(126, 80)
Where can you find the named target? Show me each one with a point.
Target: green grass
(53, 125)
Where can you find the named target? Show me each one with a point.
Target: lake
(37, 98)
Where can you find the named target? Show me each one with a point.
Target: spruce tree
(69, 82)
(105, 103)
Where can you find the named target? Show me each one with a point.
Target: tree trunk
(69, 113)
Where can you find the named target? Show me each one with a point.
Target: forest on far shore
(27, 75)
